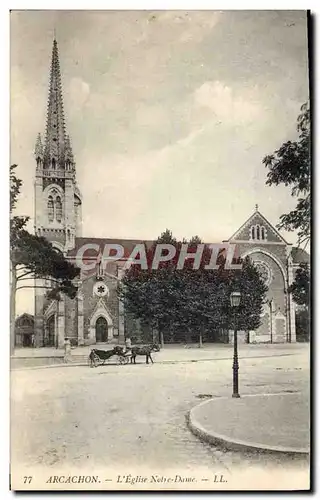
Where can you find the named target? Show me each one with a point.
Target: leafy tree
(195, 300)
(151, 295)
(290, 165)
(303, 326)
(300, 288)
(33, 257)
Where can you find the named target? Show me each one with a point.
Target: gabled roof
(299, 255)
(128, 245)
(26, 315)
(255, 218)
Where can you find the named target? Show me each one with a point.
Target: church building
(96, 314)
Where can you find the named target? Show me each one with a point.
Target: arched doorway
(51, 331)
(101, 329)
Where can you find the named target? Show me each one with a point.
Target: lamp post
(235, 299)
(271, 319)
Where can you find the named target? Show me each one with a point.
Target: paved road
(123, 415)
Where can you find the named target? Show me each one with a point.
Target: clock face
(100, 289)
(264, 271)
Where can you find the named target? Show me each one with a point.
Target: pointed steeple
(38, 151)
(56, 140)
(69, 159)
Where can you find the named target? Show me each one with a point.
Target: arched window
(53, 163)
(262, 233)
(50, 208)
(58, 209)
(258, 232)
(253, 233)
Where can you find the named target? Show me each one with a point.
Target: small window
(58, 209)
(258, 232)
(262, 233)
(253, 233)
(53, 163)
(50, 209)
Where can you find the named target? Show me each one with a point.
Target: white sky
(169, 113)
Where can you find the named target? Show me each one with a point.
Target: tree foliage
(303, 326)
(195, 301)
(33, 256)
(300, 288)
(291, 165)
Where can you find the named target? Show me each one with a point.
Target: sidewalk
(46, 356)
(265, 422)
(172, 351)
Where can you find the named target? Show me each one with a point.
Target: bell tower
(57, 202)
(57, 197)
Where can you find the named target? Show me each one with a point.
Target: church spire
(56, 142)
(38, 151)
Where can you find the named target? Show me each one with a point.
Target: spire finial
(256, 207)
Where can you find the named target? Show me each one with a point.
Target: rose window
(264, 271)
(100, 289)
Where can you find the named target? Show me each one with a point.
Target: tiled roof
(128, 245)
(299, 255)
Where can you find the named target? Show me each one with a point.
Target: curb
(237, 445)
(42, 367)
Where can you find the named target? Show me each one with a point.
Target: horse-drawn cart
(99, 357)
(123, 355)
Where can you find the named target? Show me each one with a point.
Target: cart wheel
(122, 360)
(127, 359)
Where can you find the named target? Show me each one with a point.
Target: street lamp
(235, 299)
(270, 302)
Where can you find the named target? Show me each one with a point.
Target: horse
(98, 354)
(143, 350)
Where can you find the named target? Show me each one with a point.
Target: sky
(170, 113)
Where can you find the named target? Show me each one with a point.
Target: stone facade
(260, 241)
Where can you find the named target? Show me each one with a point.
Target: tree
(195, 300)
(151, 295)
(300, 288)
(303, 326)
(33, 257)
(290, 165)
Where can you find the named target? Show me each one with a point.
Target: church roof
(243, 233)
(299, 255)
(128, 245)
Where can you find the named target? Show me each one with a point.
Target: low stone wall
(16, 362)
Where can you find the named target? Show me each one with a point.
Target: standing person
(67, 350)
(128, 345)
